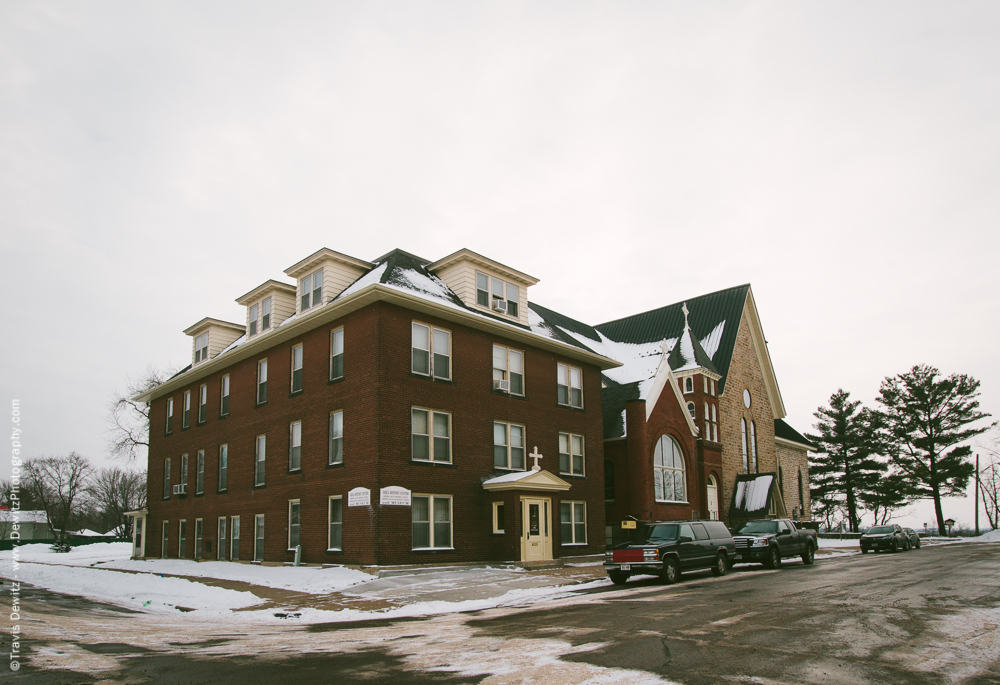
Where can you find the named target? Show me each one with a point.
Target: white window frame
(337, 350)
(753, 446)
(715, 424)
(258, 537)
(234, 538)
(331, 524)
(508, 446)
(574, 524)
(435, 358)
(295, 446)
(166, 479)
(186, 416)
(201, 348)
(261, 381)
(335, 437)
(745, 445)
(202, 403)
(224, 395)
(170, 416)
(181, 538)
(568, 376)
(199, 539)
(688, 385)
(571, 439)
(503, 354)
(259, 460)
(265, 314)
(507, 290)
(252, 320)
(434, 543)
(499, 526)
(692, 411)
(223, 476)
(311, 294)
(165, 539)
(664, 469)
(294, 529)
(431, 435)
(199, 472)
(296, 362)
(184, 470)
(222, 537)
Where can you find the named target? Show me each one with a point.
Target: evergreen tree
(923, 415)
(843, 465)
(888, 493)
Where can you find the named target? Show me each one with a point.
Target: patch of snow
(7, 516)
(432, 285)
(992, 536)
(373, 276)
(710, 343)
(639, 360)
(687, 352)
(288, 320)
(624, 425)
(539, 326)
(234, 344)
(752, 495)
(510, 477)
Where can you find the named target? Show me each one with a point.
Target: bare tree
(128, 420)
(60, 485)
(989, 480)
(115, 491)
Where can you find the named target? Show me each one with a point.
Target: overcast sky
(160, 159)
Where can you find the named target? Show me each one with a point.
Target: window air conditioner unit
(180, 489)
(501, 385)
(500, 306)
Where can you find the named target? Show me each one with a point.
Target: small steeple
(684, 308)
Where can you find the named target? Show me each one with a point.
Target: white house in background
(31, 525)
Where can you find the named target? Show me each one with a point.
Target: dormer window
(201, 348)
(498, 295)
(252, 331)
(311, 290)
(265, 306)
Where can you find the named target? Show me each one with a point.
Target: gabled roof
(209, 321)
(782, 431)
(688, 354)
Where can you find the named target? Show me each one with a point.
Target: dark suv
(888, 538)
(666, 548)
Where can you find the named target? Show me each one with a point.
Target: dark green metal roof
(706, 312)
(783, 430)
(676, 359)
(614, 398)
(557, 321)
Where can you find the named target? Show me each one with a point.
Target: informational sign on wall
(394, 496)
(359, 497)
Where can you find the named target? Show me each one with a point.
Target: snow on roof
(87, 533)
(751, 495)
(687, 352)
(510, 477)
(539, 326)
(710, 343)
(7, 516)
(373, 276)
(639, 360)
(234, 344)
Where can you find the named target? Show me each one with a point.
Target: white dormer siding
(210, 336)
(328, 274)
(459, 272)
(267, 306)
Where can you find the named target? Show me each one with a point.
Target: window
(166, 478)
(202, 403)
(262, 381)
(265, 308)
(802, 498)
(712, 388)
(571, 454)
(704, 380)
(199, 472)
(295, 446)
(505, 295)
(690, 408)
(743, 439)
(335, 453)
(224, 400)
(258, 538)
(181, 539)
(746, 398)
(221, 554)
(669, 483)
(335, 535)
(711, 423)
(184, 470)
(508, 365)
(252, 331)
(293, 523)
(201, 348)
(431, 522)
(508, 446)
(431, 349)
(569, 386)
(753, 446)
(234, 543)
(198, 538)
(170, 415)
(311, 290)
(336, 354)
(498, 518)
(688, 385)
(259, 454)
(573, 522)
(715, 424)
(609, 480)
(708, 423)
(781, 481)
(223, 467)
(165, 539)
(430, 435)
(297, 368)
(186, 417)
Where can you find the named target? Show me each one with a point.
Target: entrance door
(536, 520)
(713, 499)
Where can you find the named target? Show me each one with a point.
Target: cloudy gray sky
(157, 160)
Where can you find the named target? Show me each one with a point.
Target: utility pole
(977, 495)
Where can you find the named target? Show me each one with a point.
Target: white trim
(791, 443)
(664, 376)
(763, 356)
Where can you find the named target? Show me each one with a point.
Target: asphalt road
(924, 616)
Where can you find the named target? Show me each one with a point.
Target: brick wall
(794, 461)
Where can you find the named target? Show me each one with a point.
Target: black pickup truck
(769, 541)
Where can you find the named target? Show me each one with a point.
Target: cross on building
(536, 456)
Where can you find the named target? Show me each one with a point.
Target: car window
(686, 531)
(718, 529)
(760, 527)
(699, 531)
(783, 527)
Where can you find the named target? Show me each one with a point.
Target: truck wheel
(721, 567)
(809, 556)
(671, 571)
(773, 559)
(618, 578)
(895, 546)
(864, 551)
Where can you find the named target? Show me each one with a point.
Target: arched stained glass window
(743, 437)
(669, 482)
